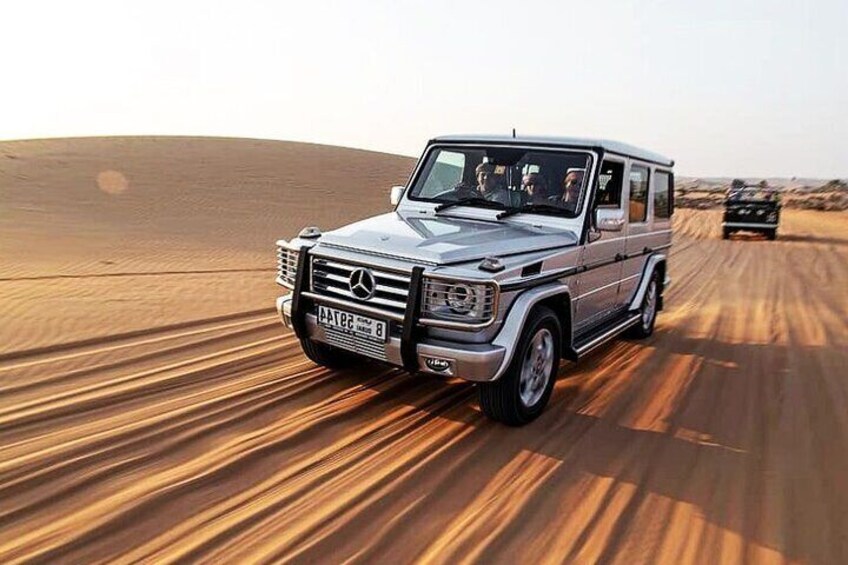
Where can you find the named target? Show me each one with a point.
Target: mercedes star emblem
(362, 284)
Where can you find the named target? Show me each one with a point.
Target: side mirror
(609, 220)
(396, 194)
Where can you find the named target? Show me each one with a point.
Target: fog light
(439, 365)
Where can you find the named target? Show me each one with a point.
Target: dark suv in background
(751, 208)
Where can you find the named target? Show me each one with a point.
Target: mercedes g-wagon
(502, 256)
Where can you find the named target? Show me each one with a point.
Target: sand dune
(190, 234)
(153, 409)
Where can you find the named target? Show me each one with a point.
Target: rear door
(638, 229)
(650, 206)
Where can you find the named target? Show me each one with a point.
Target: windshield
(546, 182)
(753, 195)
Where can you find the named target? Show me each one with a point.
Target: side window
(638, 194)
(445, 174)
(662, 189)
(609, 184)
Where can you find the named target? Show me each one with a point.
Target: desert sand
(152, 407)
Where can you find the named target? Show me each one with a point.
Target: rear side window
(662, 191)
(638, 194)
(609, 184)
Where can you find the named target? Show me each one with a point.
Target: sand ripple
(722, 438)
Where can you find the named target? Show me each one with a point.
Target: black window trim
(591, 153)
(621, 160)
(658, 170)
(647, 168)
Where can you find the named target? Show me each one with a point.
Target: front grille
(286, 266)
(355, 344)
(332, 278)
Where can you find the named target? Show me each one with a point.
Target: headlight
(462, 298)
(286, 265)
(772, 217)
(458, 301)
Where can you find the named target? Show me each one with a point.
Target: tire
(326, 355)
(648, 310)
(771, 234)
(725, 233)
(522, 392)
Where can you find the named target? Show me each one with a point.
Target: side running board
(603, 334)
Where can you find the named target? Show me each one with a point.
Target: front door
(598, 285)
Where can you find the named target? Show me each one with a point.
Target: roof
(579, 142)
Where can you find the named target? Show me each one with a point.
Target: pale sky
(726, 87)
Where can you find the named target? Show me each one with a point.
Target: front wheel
(522, 392)
(771, 234)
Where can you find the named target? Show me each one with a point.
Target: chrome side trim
(632, 236)
(606, 286)
(598, 289)
(608, 335)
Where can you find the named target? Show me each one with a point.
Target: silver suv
(503, 256)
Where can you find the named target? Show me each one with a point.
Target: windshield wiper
(529, 208)
(476, 200)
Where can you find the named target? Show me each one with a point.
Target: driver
(487, 184)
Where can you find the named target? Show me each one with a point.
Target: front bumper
(470, 361)
(750, 225)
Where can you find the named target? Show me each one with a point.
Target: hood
(440, 240)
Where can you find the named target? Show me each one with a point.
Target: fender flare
(653, 262)
(513, 325)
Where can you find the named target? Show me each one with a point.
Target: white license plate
(355, 324)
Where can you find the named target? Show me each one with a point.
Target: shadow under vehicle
(503, 256)
(751, 208)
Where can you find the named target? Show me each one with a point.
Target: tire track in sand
(721, 438)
